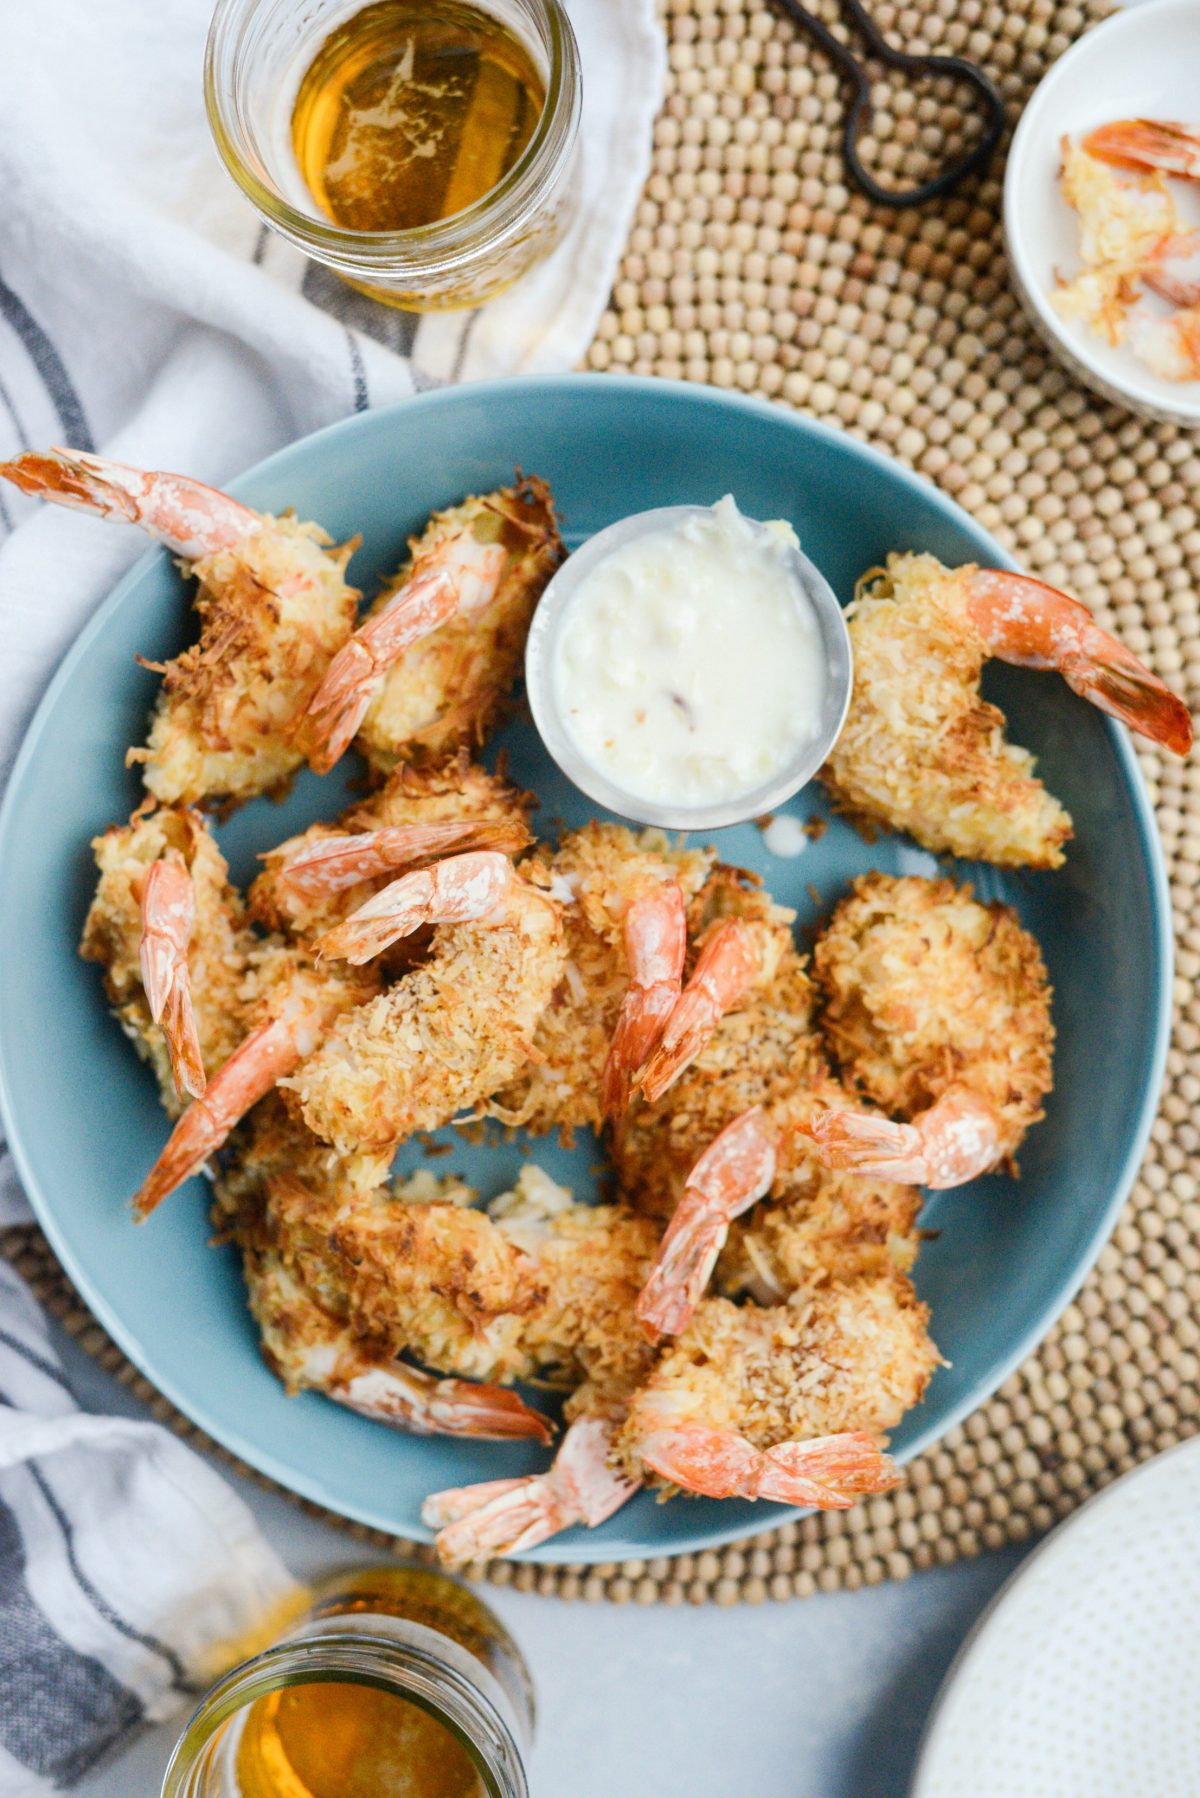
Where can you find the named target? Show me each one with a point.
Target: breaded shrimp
(274, 609)
(922, 752)
(451, 1032)
(315, 880)
(787, 1402)
(218, 948)
(937, 1009)
(432, 666)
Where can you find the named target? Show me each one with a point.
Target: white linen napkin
(123, 1559)
(146, 313)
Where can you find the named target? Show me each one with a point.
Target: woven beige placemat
(752, 265)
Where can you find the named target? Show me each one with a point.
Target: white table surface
(821, 1697)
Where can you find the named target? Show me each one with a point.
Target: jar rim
(516, 193)
(405, 1669)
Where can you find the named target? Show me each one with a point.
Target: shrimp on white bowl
(1139, 215)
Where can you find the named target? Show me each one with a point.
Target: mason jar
(392, 1674)
(258, 53)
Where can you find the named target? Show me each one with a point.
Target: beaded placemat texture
(752, 265)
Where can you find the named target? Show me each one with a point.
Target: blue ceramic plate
(83, 1119)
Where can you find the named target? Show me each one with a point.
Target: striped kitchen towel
(123, 1560)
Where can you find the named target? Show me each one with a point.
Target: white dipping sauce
(689, 665)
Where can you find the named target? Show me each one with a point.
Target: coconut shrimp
(169, 930)
(316, 880)
(274, 609)
(456, 1028)
(621, 894)
(432, 666)
(1125, 226)
(788, 1402)
(937, 1010)
(922, 752)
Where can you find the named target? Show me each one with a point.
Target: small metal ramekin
(541, 655)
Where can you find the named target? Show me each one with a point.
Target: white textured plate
(1083, 1678)
(1142, 63)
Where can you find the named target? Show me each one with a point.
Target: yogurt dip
(689, 666)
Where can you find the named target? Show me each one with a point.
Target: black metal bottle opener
(858, 110)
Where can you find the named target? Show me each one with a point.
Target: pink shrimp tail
(509, 1516)
(267, 1055)
(1025, 622)
(340, 703)
(460, 890)
(428, 1405)
(724, 969)
(190, 518)
(956, 1140)
(733, 1173)
(333, 864)
(168, 919)
(655, 947)
(828, 1472)
(1147, 144)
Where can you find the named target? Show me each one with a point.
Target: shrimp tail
(190, 518)
(428, 1405)
(733, 1173)
(168, 919)
(266, 1055)
(828, 1472)
(655, 947)
(340, 703)
(459, 890)
(724, 969)
(334, 863)
(1025, 622)
(509, 1516)
(952, 1142)
(1147, 144)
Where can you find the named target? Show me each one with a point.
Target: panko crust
(440, 1040)
(218, 955)
(274, 611)
(452, 686)
(924, 987)
(920, 750)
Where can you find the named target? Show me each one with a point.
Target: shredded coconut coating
(600, 870)
(452, 790)
(217, 955)
(920, 750)
(442, 1039)
(855, 1355)
(274, 610)
(452, 686)
(923, 987)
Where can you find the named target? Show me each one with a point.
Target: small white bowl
(1142, 63)
(540, 660)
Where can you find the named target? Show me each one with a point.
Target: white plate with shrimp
(1112, 278)
(85, 1121)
